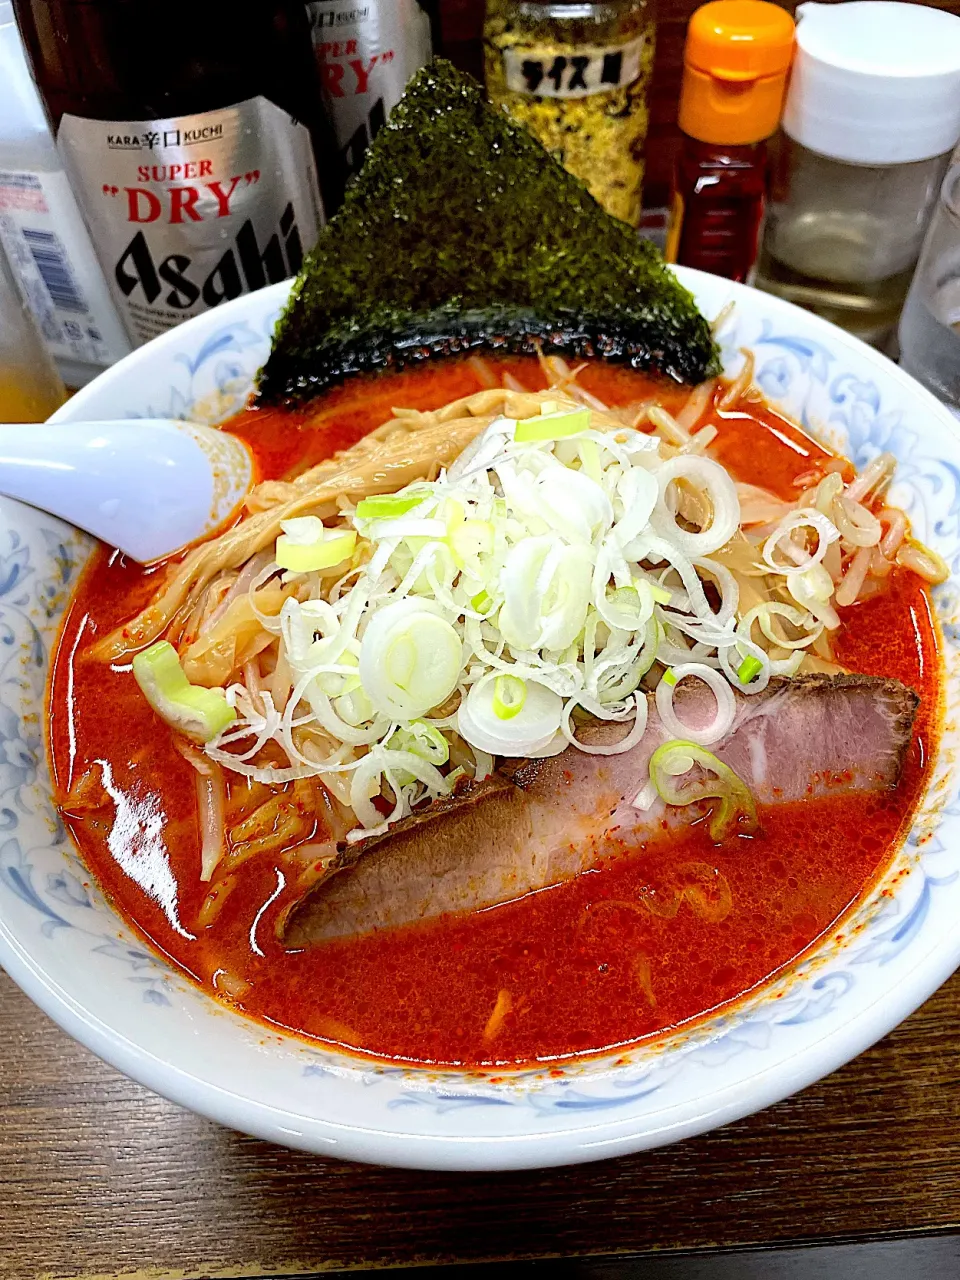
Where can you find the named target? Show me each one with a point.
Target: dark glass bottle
(736, 60)
(196, 139)
(432, 9)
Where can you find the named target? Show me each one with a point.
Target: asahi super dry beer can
(367, 51)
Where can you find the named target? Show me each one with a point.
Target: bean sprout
(925, 563)
(849, 588)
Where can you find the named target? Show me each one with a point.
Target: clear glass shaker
(30, 387)
(930, 324)
(842, 240)
(872, 113)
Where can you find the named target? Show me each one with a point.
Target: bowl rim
(583, 1139)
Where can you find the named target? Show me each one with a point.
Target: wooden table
(98, 1177)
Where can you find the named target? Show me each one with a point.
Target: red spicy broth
(573, 969)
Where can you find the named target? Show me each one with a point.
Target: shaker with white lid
(872, 114)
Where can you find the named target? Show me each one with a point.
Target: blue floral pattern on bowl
(57, 934)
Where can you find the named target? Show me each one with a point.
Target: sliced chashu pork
(535, 823)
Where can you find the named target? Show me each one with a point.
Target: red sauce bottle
(736, 60)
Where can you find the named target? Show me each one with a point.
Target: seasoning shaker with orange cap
(736, 60)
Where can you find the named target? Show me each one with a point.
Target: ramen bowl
(65, 946)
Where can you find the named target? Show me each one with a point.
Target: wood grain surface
(100, 1177)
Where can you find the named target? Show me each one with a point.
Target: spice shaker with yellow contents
(576, 73)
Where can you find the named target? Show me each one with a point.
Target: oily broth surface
(573, 969)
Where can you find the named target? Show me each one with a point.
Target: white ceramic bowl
(68, 950)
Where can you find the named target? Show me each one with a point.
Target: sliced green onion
(669, 677)
(354, 706)
(749, 669)
(409, 658)
(509, 695)
(400, 659)
(627, 597)
(482, 602)
(416, 542)
(387, 506)
(189, 708)
(552, 426)
(325, 550)
(590, 460)
(455, 513)
(335, 683)
(626, 608)
(534, 727)
(737, 811)
(470, 539)
(303, 529)
(424, 740)
(661, 594)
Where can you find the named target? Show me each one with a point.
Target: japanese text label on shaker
(42, 230)
(576, 74)
(930, 323)
(367, 53)
(194, 135)
(736, 60)
(872, 113)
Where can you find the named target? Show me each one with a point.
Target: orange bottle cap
(736, 60)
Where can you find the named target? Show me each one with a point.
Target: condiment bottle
(872, 113)
(193, 134)
(43, 232)
(575, 72)
(30, 387)
(930, 323)
(367, 53)
(735, 68)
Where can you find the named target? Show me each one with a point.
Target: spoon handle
(148, 486)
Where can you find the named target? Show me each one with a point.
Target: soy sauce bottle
(196, 140)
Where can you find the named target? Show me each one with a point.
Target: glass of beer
(30, 387)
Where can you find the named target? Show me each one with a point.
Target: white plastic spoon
(148, 485)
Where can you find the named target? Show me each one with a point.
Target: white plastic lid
(21, 113)
(875, 82)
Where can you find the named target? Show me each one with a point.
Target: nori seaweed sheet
(462, 233)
